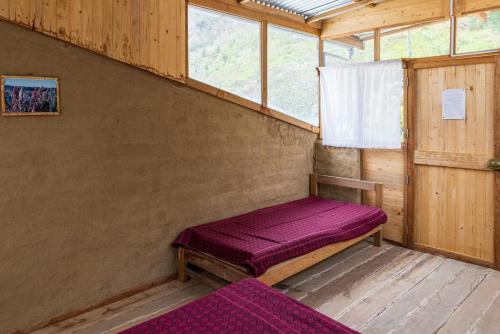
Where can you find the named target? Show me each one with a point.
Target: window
(336, 52)
(415, 42)
(293, 83)
(361, 105)
(478, 32)
(224, 51)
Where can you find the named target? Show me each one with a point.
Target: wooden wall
(388, 167)
(146, 33)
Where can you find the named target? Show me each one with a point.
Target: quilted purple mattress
(245, 307)
(261, 239)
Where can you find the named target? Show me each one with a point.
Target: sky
(26, 82)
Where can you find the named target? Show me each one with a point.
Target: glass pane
(423, 41)
(224, 51)
(340, 53)
(478, 32)
(293, 83)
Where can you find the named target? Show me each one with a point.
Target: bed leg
(182, 265)
(377, 239)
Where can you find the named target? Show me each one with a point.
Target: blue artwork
(30, 95)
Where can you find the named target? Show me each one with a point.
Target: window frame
(261, 107)
(454, 34)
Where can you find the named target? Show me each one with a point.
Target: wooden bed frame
(277, 273)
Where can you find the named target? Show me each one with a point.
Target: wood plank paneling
(125, 13)
(4, 9)
(454, 191)
(135, 31)
(457, 160)
(35, 13)
(63, 23)
(49, 17)
(496, 130)
(442, 223)
(181, 37)
(150, 34)
(397, 13)
(97, 26)
(388, 168)
(107, 27)
(144, 33)
(153, 25)
(384, 15)
(472, 6)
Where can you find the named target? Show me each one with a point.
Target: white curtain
(361, 105)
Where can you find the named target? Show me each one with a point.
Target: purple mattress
(261, 239)
(245, 307)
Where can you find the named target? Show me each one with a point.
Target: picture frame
(29, 95)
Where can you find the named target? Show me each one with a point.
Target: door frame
(433, 62)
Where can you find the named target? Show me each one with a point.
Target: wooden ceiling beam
(390, 13)
(466, 7)
(401, 29)
(356, 4)
(394, 13)
(259, 7)
(260, 13)
(352, 41)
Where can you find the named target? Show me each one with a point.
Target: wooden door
(453, 190)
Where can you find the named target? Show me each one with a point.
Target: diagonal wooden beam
(356, 4)
(262, 8)
(352, 41)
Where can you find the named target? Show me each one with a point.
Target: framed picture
(26, 95)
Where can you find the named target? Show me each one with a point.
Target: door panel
(453, 187)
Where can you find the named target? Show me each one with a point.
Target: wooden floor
(370, 289)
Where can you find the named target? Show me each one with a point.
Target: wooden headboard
(378, 188)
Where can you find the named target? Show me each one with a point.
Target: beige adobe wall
(343, 162)
(91, 199)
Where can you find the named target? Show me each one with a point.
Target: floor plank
(341, 303)
(376, 302)
(408, 302)
(468, 315)
(318, 296)
(374, 290)
(434, 311)
(308, 286)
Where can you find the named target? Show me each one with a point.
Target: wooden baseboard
(107, 301)
(451, 255)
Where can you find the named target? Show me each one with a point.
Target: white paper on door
(454, 104)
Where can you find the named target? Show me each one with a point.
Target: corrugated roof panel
(306, 8)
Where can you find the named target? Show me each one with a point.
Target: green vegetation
(293, 84)
(478, 32)
(224, 51)
(425, 41)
